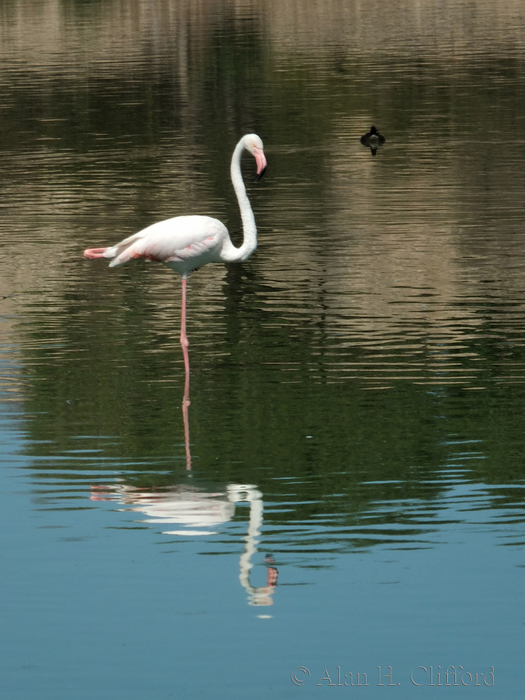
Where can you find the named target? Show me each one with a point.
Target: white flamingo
(185, 243)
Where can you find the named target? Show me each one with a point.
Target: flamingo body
(185, 243)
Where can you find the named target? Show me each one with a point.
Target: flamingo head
(254, 145)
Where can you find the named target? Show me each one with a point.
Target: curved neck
(248, 220)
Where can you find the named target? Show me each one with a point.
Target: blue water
(100, 603)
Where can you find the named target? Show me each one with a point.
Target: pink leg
(186, 419)
(183, 337)
(94, 253)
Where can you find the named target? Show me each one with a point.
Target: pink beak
(260, 161)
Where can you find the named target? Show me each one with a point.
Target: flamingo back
(183, 243)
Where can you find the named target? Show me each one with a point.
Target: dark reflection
(354, 470)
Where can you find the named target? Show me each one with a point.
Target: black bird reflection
(373, 139)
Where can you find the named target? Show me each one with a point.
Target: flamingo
(185, 243)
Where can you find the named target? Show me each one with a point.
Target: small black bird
(373, 138)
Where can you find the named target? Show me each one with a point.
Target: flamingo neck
(249, 228)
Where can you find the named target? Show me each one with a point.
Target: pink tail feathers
(94, 253)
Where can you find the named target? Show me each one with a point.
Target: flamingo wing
(181, 239)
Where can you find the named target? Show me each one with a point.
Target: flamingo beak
(260, 161)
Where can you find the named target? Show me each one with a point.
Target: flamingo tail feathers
(120, 253)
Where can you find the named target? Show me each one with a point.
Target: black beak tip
(259, 176)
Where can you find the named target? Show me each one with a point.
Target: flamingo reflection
(186, 419)
(196, 512)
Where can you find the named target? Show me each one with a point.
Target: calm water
(338, 502)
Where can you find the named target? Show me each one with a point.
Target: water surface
(338, 491)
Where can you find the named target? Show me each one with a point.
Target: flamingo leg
(94, 253)
(186, 419)
(183, 337)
